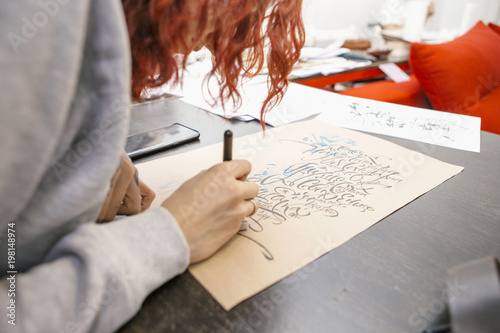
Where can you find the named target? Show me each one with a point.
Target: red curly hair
(237, 38)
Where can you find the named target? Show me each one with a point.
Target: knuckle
(217, 170)
(235, 191)
(247, 165)
(241, 166)
(241, 212)
(255, 187)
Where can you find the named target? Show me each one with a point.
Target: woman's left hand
(128, 195)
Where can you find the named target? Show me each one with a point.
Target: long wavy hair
(242, 34)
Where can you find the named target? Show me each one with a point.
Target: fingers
(252, 207)
(131, 202)
(232, 174)
(210, 207)
(248, 190)
(127, 194)
(106, 214)
(147, 196)
(118, 189)
(239, 169)
(138, 197)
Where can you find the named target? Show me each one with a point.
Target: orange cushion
(494, 27)
(404, 93)
(462, 76)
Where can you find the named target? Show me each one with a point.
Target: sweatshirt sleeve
(96, 278)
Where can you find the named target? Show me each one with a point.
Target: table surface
(389, 278)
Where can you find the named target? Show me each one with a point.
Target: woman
(65, 90)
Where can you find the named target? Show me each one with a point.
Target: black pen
(228, 146)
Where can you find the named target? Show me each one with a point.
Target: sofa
(461, 76)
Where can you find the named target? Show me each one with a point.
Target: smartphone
(159, 139)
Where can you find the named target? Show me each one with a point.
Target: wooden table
(389, 278)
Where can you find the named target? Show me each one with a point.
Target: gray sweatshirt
(64, 96)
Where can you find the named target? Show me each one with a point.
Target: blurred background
(327, 20)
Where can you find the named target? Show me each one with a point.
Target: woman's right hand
(211, 206)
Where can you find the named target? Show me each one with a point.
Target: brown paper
(320, 185)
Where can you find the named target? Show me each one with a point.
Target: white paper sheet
(394, 73)
(326, 67)
(299, 102)
(423, 125)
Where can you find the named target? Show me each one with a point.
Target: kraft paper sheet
(320, 185)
